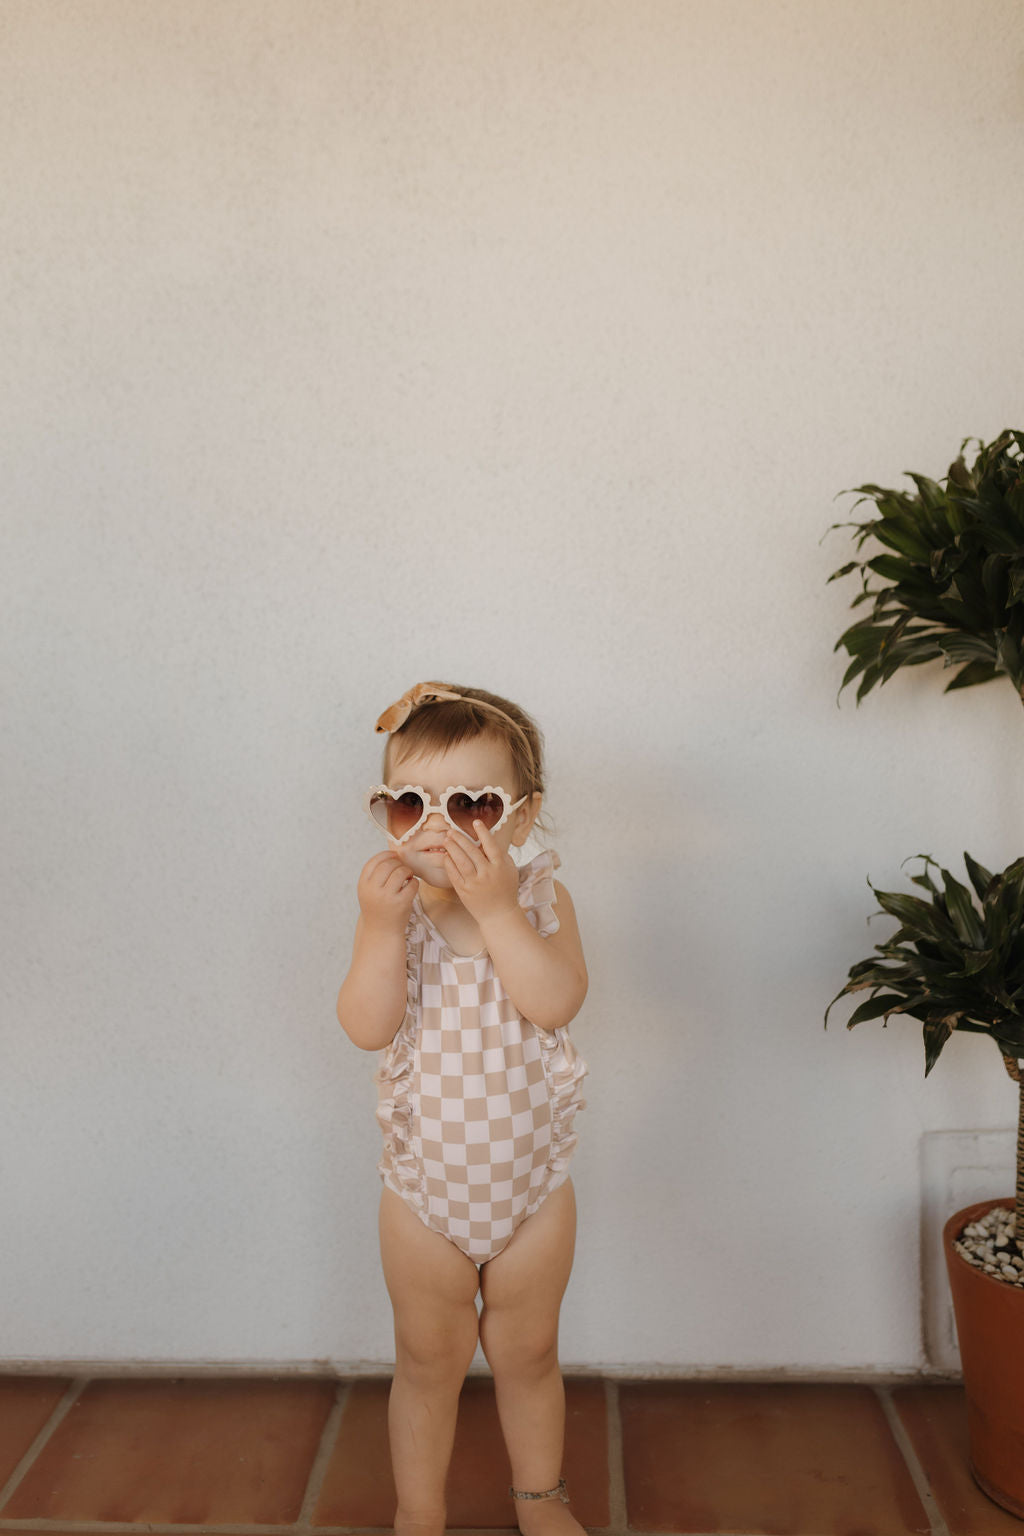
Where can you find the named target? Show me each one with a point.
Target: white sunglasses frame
(429, 806)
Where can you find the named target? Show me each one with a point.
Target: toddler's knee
(524, 1354)
(435, 1359)
(424, 1371)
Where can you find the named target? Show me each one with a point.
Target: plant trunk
(1013, 1067)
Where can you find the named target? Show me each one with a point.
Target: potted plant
(949, 580)
(949, 583)
(956, 961)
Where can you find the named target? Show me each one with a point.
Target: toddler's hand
(386, 891)
(484, 876)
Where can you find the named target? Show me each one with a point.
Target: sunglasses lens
(465, 809)
(396, 814)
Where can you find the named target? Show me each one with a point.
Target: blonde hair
(433, 728)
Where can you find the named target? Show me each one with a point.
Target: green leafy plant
(949, 581)
(956, 961)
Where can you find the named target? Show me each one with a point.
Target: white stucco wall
(521, 344)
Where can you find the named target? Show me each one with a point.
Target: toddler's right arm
(372, 1000)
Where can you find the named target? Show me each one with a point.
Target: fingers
(462, 856)
(477, 857)
(381, 865)
(488, 844)
(398, 878)
(385, 872)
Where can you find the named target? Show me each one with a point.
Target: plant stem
(1013, 1068)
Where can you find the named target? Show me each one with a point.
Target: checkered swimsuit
(475, 1102)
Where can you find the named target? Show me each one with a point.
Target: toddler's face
(474, 764)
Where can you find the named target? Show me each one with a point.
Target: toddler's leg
(522, 1293)
(433, 1288)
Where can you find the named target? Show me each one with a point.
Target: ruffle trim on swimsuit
(399, 1166)
(537, 891)
(565, 1070)
(564, 1067)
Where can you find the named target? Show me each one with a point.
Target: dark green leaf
(974, 673)
(980, 877)
(966, 648)
(920, 916)
(885, 1002)
(893, 568)
(980, 960)
(959, 474)
(900, 534)
(961, 911)
(936, 1033)
(995, 579)
(1009, 653)
(865, 638)
(864, 597)
(855, 668)
(931, 494)
(872, 675)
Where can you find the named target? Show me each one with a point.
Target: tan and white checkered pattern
(475, 1102)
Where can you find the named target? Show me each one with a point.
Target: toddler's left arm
(546, 978)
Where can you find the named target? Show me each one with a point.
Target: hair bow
(395, 716)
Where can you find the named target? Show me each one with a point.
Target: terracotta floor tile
(586, 1450)
(190, 1451)
(936, 1421)
(26, 1403)
(358, 1488)
(785, 1459)
(478, 1477)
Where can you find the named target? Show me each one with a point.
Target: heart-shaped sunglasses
(401, 812)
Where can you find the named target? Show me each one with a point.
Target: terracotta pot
(990, 1327)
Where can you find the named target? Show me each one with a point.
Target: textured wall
(524, 344)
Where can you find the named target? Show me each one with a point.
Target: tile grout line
(163, 1528)
(324, 1452)
(146, 1527)
(910, 1457)
(616, 1472)
(57, 1416)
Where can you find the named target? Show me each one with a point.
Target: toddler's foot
(546, 1517)
(549, 1520)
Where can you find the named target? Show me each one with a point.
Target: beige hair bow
(395, 716)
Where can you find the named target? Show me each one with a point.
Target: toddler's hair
(434, 728)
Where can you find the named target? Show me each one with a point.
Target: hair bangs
(435, 728)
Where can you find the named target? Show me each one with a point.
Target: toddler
(465, 974)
